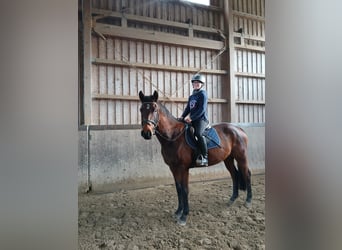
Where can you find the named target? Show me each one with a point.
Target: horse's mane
(165, 110)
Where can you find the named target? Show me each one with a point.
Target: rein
(173, 139)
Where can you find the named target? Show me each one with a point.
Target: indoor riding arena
(127, 193)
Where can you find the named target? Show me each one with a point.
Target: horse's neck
(169, 127)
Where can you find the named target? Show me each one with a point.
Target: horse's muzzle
(147, 135)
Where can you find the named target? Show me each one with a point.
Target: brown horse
(156, 119)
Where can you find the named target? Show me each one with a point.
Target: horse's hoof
(177, 216)
(230, 202)
(248, 204)
(181, 222)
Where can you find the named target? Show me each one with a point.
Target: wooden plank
(179, 56)
(110, 80)
(125, 71)
(126, 113)
(150, 20)
(157, 66)
(262, 2)
(254, 102)
(154, 81)
(169, 86)
(140, 82)
(254, 62)
(161, 98)
(95, 120)
(177, 77)
(258, 63)
(249, 47)
(248, 16)
(133, 87)
(261, 90)
(154, 36)
(102, 80)
(147, 82)
(118, 70)
(244, 61)
(203, 59)
(251, 89)
(250, 37)
(245, 89)
(118, 112)
(263, 63)
(160, 54)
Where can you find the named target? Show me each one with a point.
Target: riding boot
(202, 144)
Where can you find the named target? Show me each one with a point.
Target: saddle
(212, 138)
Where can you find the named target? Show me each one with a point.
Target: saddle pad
(213, 140)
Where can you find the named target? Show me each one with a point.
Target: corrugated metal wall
(132, 45)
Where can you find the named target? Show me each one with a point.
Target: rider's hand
(187, 119)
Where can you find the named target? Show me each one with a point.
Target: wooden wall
(133, 45)
(247, 57)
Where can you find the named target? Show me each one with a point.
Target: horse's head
(149, 114)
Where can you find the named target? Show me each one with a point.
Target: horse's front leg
(180, 208)
(181, 181)
(184, 196)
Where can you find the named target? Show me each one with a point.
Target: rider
(196, 114)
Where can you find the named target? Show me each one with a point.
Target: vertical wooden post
(123, 20)
(191, 31)
(231, 57)
(87, 102)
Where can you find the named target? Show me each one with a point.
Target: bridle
(154, 122)
(155, 119)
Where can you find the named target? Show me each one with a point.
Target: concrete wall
(123, 159)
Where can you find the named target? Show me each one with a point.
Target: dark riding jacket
(197, 106)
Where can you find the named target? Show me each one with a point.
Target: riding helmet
(199, 78)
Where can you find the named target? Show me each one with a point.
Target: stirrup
(201, 161)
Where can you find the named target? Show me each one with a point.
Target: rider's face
(196, 84)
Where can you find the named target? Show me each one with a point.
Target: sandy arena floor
(142, 219)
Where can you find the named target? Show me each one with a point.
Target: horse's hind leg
(245, 179)
(229, 162)
(249, 189)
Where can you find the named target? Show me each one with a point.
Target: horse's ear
(155, 95)
(141, 95)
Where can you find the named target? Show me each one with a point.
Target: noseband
(149, 122)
